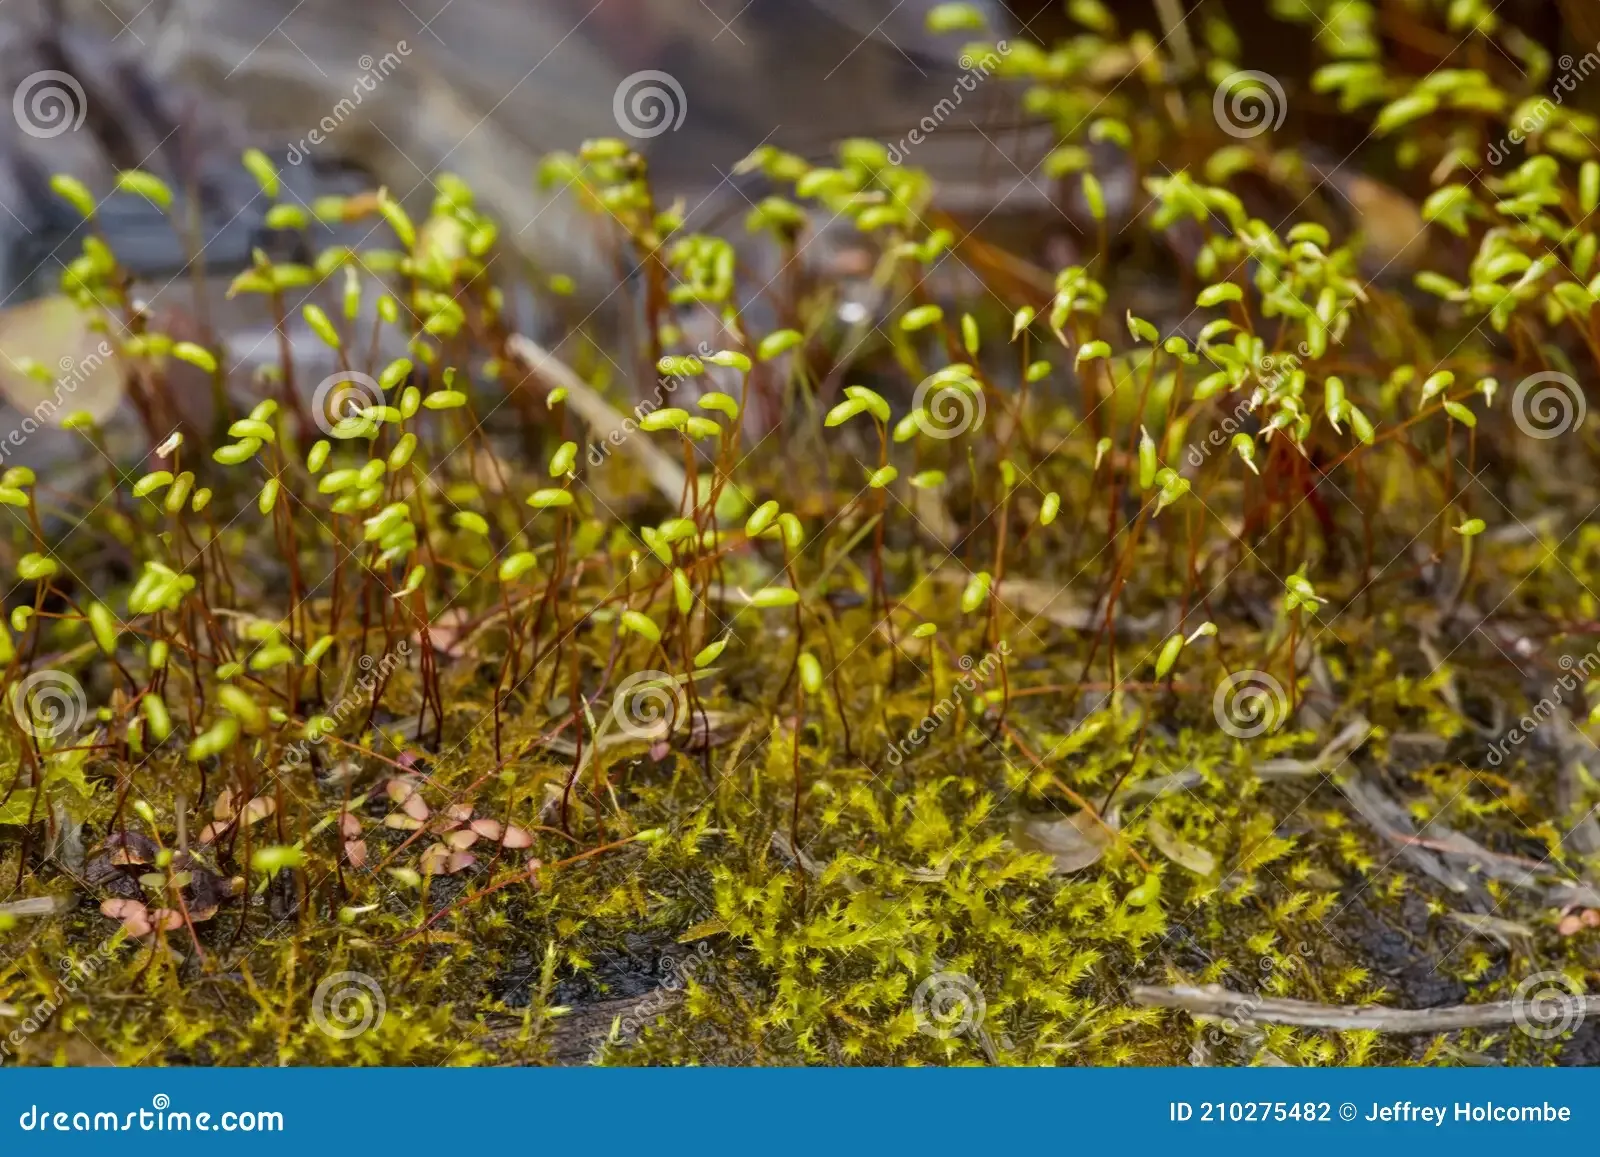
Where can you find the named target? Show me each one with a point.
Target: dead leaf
(135, 916)
(1502, 932)
(1074, 843)
(1180, 851)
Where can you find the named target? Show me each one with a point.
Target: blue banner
(782, 1111)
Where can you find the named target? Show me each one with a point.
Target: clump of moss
(796, 721)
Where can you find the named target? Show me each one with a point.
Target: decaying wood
(1248, 1008)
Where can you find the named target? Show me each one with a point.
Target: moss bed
(670, 697)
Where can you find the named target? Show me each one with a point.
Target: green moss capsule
(772, 598)
(215, 739)
(641, 624)
(810, 673)
(158, 722)
(976, 593)
(242, 707)
(1170, 650)
(104, 626)
(710, 653)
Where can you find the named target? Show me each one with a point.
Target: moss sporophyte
(956, 658)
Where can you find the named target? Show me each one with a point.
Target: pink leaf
(488, 829)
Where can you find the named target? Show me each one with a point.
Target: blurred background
(405, 89)
(347, 95)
